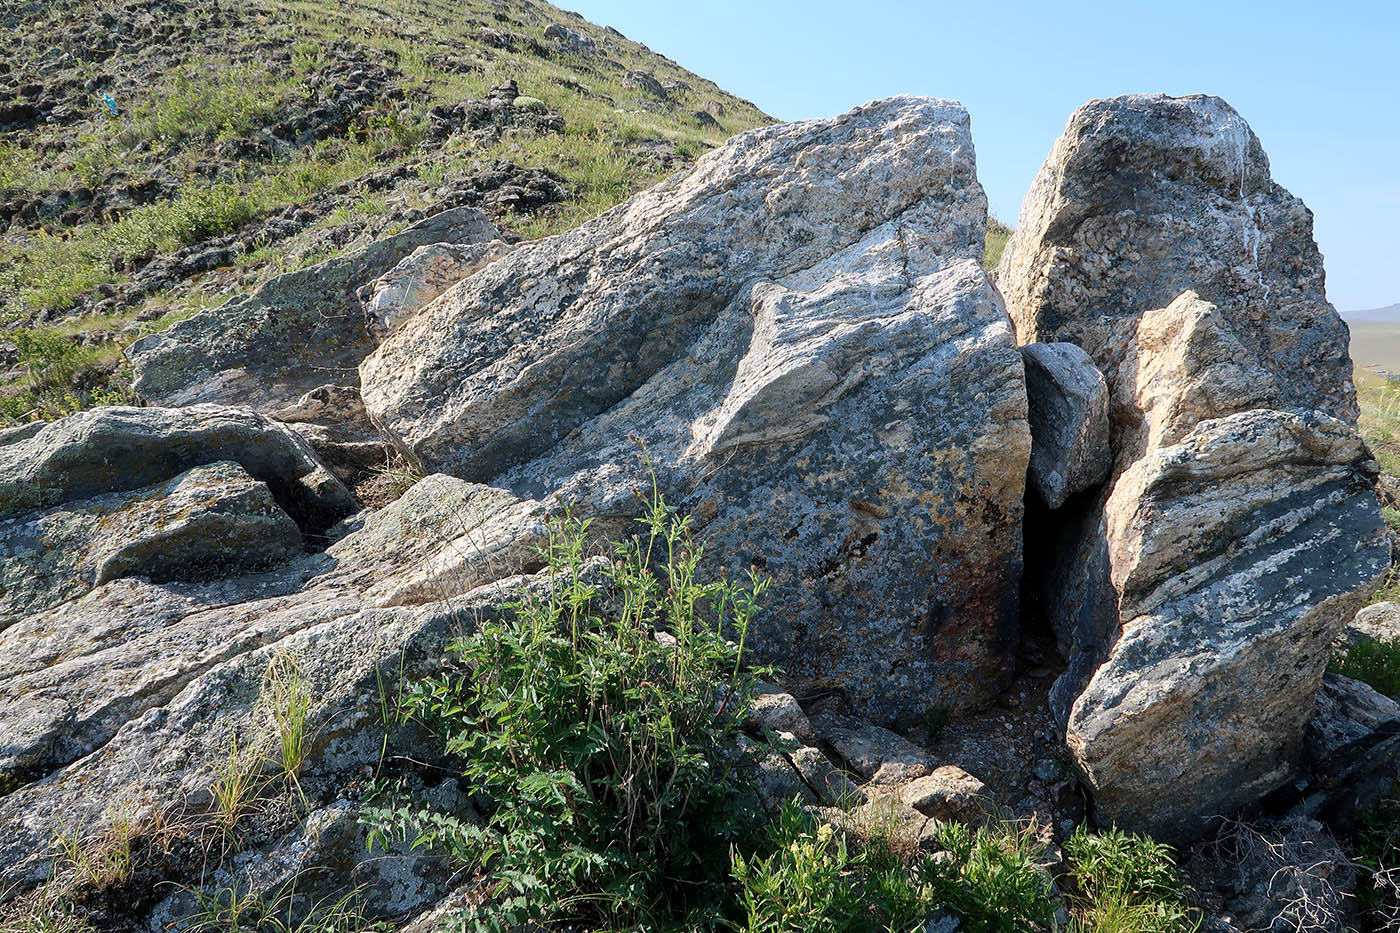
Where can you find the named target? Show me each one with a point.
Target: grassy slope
(188, 103)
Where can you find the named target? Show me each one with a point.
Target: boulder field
(1137, 435)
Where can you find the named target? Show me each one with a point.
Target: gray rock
(949, 794)
(107, 450)
(293, 333)
(571, 40)
(876, 754)
(1351, 743)
(801, 333)
(1379, 622)
(831, 785)
(1197, 597)
(775, 711)
(1069, 421)
(207, 522)
(644, 81)
(428, 271)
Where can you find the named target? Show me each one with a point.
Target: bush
(991, 877)
(607, 753)
(1372, 662)
(1124, 883)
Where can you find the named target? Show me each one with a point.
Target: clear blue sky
(1319, 82)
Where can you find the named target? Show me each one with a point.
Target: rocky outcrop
(801, 332)
(1197, 598)
(297, 331)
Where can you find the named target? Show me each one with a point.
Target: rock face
(801, 332)
(427, 272)
(1069, 420)
(296, 332)
(1198, 597)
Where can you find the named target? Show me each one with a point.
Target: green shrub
(1124, 883)
(1372, 662)
(991, 876)
(607, 754)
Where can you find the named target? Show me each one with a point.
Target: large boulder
(1197, 596)
(800, 331)
(295, 332)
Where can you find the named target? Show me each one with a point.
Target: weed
(42, 912)
(289, 696)
(236, 787)
(283, 910)
(606, 752)
(1124, 883)
(102, 860)
(995, 242)
(991, 876)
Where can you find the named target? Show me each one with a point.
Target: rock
(1379, 622)
(293, 333)
(1069, 421)
(332, 420)
(949, 794)
(207, 522)
(775, 711)
(877, 755)
(704, 119)
(1196, 598)
(831, 785)
(570, 40)
(1144, 197)
(644, 81)
(428, 271)
(768, 324)
(1351, 744)
(107, 450)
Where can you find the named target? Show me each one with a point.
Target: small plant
(101, 860)
(607, 753)
(236, 787)
(1373, 662)
(289, 697)
(1124, 883)
(991, 876)
(283, 910)
(41, 912)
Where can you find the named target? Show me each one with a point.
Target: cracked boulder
(800, 331)
(1197, 597)
(1069, 421)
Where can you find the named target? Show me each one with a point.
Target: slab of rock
(293, 333)
(1069, 421)
(428, 271)
(876, 754)
(117, 449)
(1352, 741)
(775, 711)
(1196, 599)
(800, 331)
(208, 522)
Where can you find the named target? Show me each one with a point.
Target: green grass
(1122, 882)
(1372, 662)
(995, 242)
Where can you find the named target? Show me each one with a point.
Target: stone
(800, 332)
(118, 449)
(1197, 595)
(832, 786)
(570, 40)
(1378, 622)
(878, 755)
(948, 794)
(775, 711)
(1351, 744)
(293, 333)
(644, 81)
(211, 521)
(1069, 421)
(428, 271)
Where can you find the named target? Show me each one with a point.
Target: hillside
(162, 156)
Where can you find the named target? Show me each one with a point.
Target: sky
(1319, 82)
